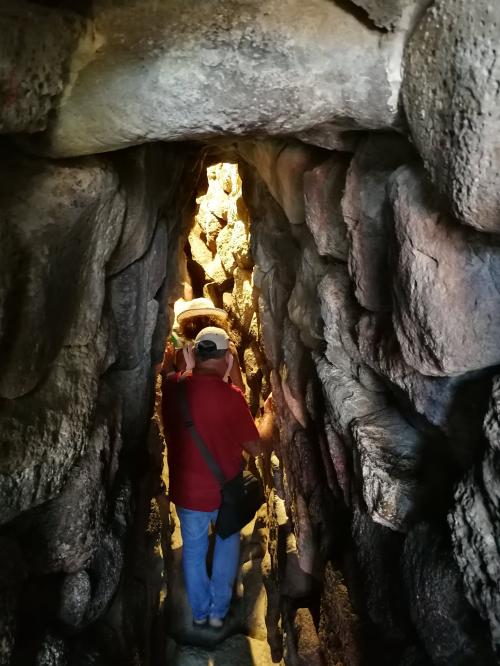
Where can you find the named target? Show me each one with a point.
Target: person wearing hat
(223, 420)
(192, 317)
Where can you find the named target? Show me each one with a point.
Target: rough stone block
(447, 626)
(389, 451)
(34, 76)
(257, 74)
(281, 164)
(304, 307)
(64, 533)
(346, 399)
(72, 212)
(365, 208)
(339, 626)
(323, 189)
(391, 14)
(43, 433)
(451, 98)
(455, 405)
(378, 554)
(446, 297)
(475, 525)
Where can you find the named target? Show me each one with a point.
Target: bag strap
(198, 440)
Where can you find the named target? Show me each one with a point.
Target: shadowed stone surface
(475, 525)
(71, 211)
(445, 623)
(43, 433)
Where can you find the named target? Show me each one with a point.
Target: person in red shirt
(221, 416)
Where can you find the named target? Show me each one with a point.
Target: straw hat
(198, 307)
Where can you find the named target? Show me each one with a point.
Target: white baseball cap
(212, 338)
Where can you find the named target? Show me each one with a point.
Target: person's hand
(230, 361)
(188, 353)
(269, 404)
(168, 358)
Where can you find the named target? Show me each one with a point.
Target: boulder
(475, 525)
(295, 372)
(443, 273)
(365, 209)
(451, 98)
(329, 137)
(392, 14)
(206, 257)
(378, 553)
(52, 652)
(447, 626)
(340, 313)
(339, 627)
(150, 177)
(323, 189)
(307, 641)
(76, 592)
(340, 460)
(72, 211)
(455, 405)
(281, 164)
(131, 296)
(259, 67)
(346, 399)
(389, 452)
(304, 307)
(275, 255)
(63, 534)
(43, 433)
(36, 67)
(105, 571)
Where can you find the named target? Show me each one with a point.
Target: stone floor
(251, 634)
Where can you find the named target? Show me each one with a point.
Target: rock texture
(367, 214)
(474, 521)
(256, 73)
(388, 417)
(388, 451)
(443, 273)
(392, 14)
(36, 68)
(444, 621)
(358, 262)
(86, 251)
(450, 94)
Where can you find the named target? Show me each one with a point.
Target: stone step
(237, 650)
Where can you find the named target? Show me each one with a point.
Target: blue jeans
(207, 596)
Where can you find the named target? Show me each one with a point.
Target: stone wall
(379, 322)
(89, 250)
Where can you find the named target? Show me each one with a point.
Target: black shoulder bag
(241, 496)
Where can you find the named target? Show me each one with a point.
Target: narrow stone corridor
(327, 172)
